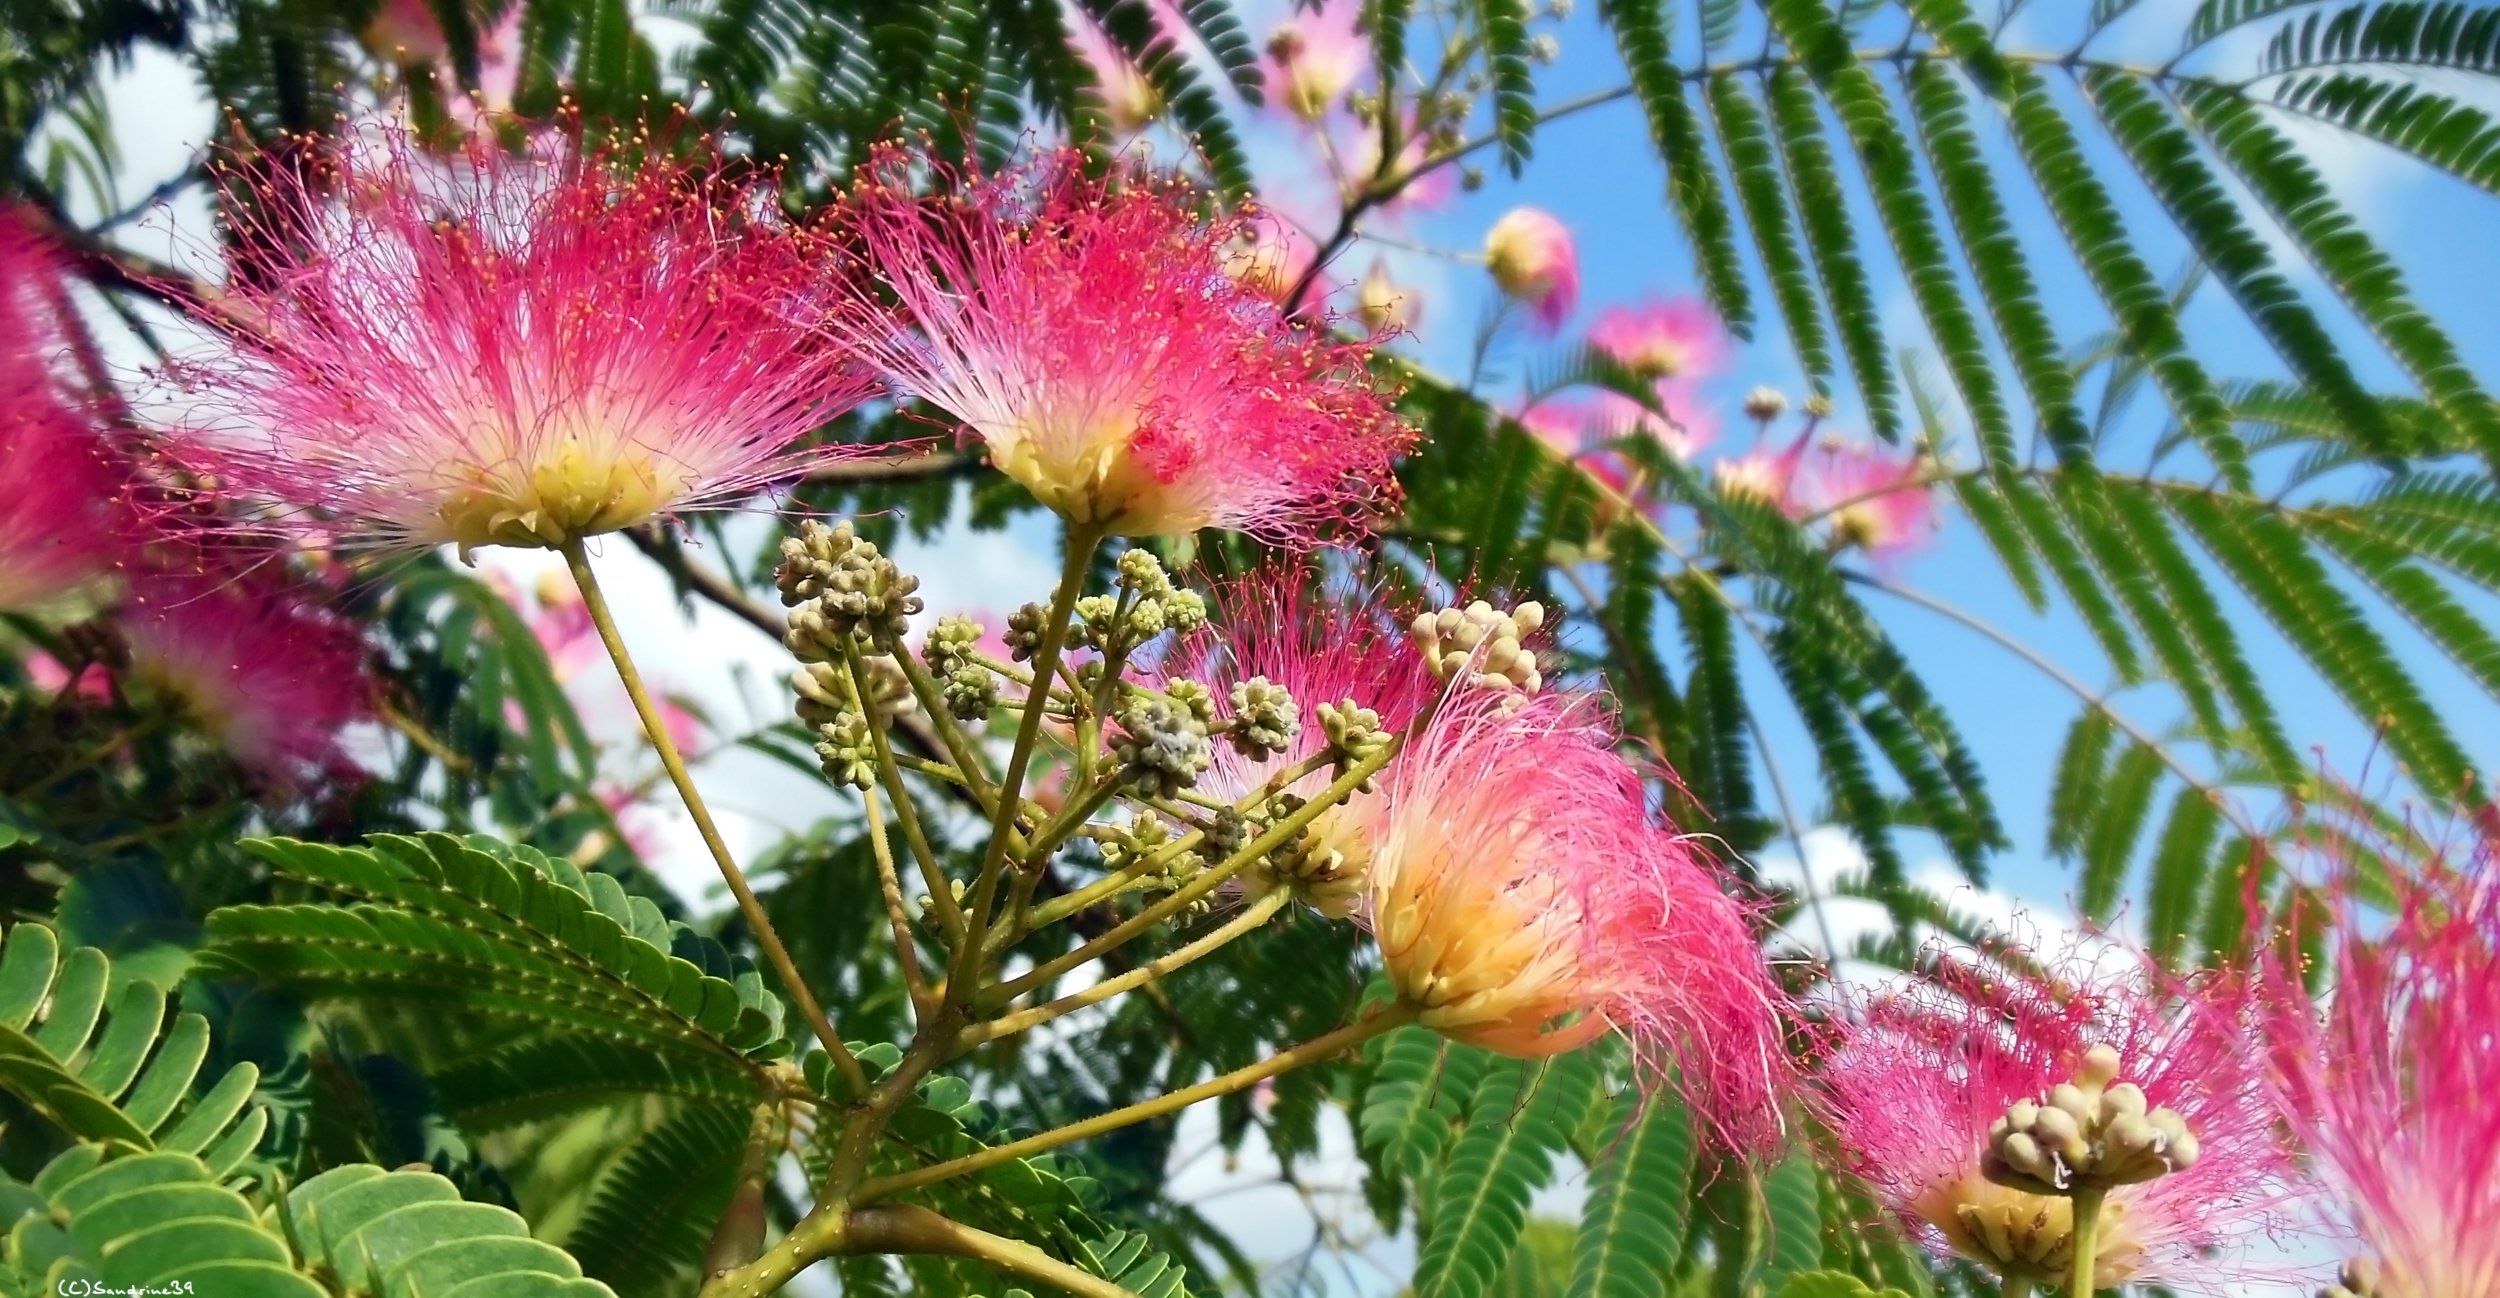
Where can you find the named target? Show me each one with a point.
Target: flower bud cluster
(1765, 403)
(969, 689)
(1483, 642)
(1165, 747)
(828, 701)
(1145, 605)
(1265, 719)
(2094, 1132)
(836, 584)
(1148, 835)
(1354, 733)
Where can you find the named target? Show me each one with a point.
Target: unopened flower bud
(1024, 631)
(1766, 402)
(1165, 747)
(1818, 406)
(1265, 718)
(1140, 571)
(847, 752)
(1485, 643)
(2092, 1132)
(1195, 698)
(1184, 611)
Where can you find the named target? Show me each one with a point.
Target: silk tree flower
(1870, 498)
(409, 34)
(500, 350)
(1759, 474)
(1685, 428)
(1672, 338)
(1534, 260)
(1358, 143)
(269, 678)
(1570, 428)
(1343, 650)
(1269, 255)
(1386, 306)
(59, 524)
(1314, 57)
(2394, 1088)
(1916, 1078)
(1091, 332)
(1129, 100)
(1525, 902)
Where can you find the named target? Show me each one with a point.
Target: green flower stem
(95, 756)
(2017, 1285)
(2087, 1237)
(1078, 560)
(925, 688)
(1208, 880)
(577, 559)
(932, 875)
(1059, 908)
(1251, 917)
(908, 1228)
(1316, 1050)
(890, 886)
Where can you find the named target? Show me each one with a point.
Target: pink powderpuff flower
(1686, 427)
(1870, 498)
(271, 679)
(1088, 331)
(1359, 145)
(1675, 338)
(59, 526)
(410, 33)
(2394, 1088)
(1571, 430)
(1525, 902)
(1314, 57)
(1534, 260)
(1916, 1078)
(1129, 100)
(1386, 306)
(1269, 255)
(500, 350)
(1759, 474)
(1342, 648)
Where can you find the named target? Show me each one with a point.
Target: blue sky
(1599, 173)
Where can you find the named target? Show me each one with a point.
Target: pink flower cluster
(1865, 496)
(501, 350)
(1523, 895)
(2394, 1088)
(59, 528)
(1525, 901)
(1672, 344)
(1088, 332)
(250, 662)
(1918, 1075)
